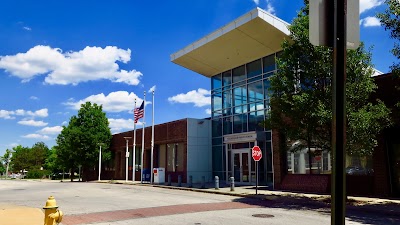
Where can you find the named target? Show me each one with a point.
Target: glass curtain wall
(240, 100)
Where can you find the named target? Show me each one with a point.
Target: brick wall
(171, 132)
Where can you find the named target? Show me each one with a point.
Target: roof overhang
(250, 37)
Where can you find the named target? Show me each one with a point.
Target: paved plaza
(119, 203)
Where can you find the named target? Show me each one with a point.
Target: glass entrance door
(240, 165)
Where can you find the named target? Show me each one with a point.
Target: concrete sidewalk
(285, 198)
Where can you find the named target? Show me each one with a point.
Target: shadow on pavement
(379, 214)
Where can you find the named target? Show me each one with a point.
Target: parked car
(355, 170)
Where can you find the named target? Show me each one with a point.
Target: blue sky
(55, 55)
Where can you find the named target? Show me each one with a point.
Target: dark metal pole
(338, 207)
(256, 177)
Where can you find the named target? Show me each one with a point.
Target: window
(217, 127)
(289, 161)
(216, 82)
(227, 78)
(217, 101)
(240, 96)
(254, 69)
(255, 120)
(180, 157)
(269, 63)
(171, 157)
(240, 123)
(227, 125)
(162, 152)
(176, 157)
(238, 74)
(255, 91)
(227, 102)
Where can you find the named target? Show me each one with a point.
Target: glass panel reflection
(269, 63)
(217, 101)
(216, 81)
(254, 68)
(245, 167)
(226, 78)
(255, 91)
(238, 74)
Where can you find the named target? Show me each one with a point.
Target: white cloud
(36, 136)
(270, 8)
(27, 28)
(208, 111)
(369, 4)
(199, 98)
(152, 89)
(256, 2)
(117, 125)
(34, 98)
(114, 102)
(91, 63)
(64, 123)
(5, 114)
(50, 130)
(33, 123)
(370, 22)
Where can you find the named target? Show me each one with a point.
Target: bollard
(216, 182)
(169, 179)
(190, 181)
(203, 182)
(232, 182)
(179, 180)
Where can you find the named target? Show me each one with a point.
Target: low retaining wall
(321, 183)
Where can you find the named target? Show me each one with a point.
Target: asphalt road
(133, 204)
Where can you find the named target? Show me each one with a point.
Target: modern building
(239, 58)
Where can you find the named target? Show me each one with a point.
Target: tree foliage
(29, 158)
(78, 143)
(301, 94)
(391, 21)
(4, 160)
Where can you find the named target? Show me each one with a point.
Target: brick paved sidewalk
(151, 212)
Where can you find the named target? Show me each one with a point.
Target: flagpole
(152, 142)
(144, 112)
(134, 145)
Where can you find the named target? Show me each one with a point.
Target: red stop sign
(256, 153)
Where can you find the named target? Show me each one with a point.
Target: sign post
(338, 19)
(257, 155)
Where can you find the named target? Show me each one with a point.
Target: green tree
(30, 158)
(301, 95)
(391, 21)
(21, 158)
(5, 161)
(52, 162)
(78, 142)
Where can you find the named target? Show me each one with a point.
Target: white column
(152, 144)
(126, 160)
(100, 162)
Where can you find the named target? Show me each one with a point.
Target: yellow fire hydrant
(52, 215)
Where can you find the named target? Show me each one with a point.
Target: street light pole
(99, 161)
(127, 158)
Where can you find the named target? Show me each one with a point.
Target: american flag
(138, 112)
